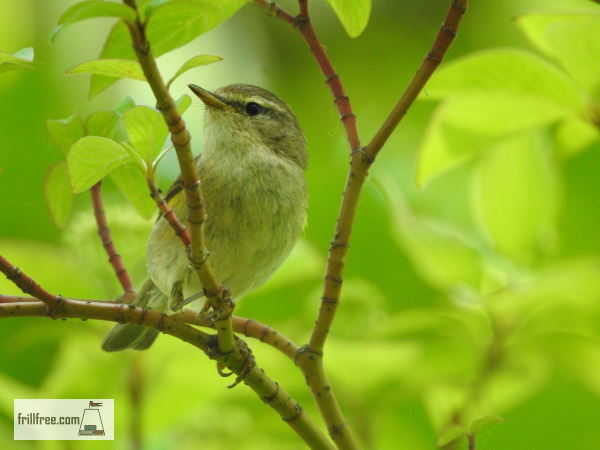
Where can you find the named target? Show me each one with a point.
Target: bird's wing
(177, 185)
(175, 189)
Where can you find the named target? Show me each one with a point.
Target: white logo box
(64, 419)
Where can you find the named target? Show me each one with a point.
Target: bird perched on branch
(252, 172)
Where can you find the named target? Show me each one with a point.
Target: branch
(216, 295)
(360, 163)
(302, 23)
(362, 159)
(27, 285)
(310, 357)
(166, 211)
(268, 390)
(105, 237)
(249, 328)
(432, 60)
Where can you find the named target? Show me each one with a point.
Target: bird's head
(250, 118)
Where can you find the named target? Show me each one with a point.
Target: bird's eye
(253, 109)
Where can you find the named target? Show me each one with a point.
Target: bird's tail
(130, 335)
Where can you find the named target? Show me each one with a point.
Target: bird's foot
(243, 364)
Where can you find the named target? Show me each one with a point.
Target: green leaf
(444, 255)
(445, 145)
(93, 157)
(173, 24)
(65, 132)
(21, 59)
(484, 421)
(183, 103)
(516, 195)
(195, 61)
(510, 72)
(127, 103)
(59, 197)
(135, 156)
(354, 14)
(451, 434)
(116, 68)
(90, 9)
(132, 183)
(465, 126)
(147, 131)
(103, 123)
(573, 39)
(574, 135)
(574, 283)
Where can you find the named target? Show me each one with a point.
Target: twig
(16, 299)
(267, 389)
(167, 212)
(27, 285)
(217, 296)
(362, 158)
(105, 237)
(310, 358)
(302, 23)
(432, 60)
(250, 328)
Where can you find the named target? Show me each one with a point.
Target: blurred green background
(444, 317)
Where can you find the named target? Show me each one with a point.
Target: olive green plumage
(252, 171)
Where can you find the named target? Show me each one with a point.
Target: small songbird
(252, 173)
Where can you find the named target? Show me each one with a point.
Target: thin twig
(217, 296)
(29, 286)
(267, 389)
(167, 212)
(431, 62)
(361, 161)
(250, 328)
(105, 237)
(342, 102)
(311, 359)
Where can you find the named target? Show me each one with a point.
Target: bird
(252, 171)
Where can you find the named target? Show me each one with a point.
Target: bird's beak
(209, 98)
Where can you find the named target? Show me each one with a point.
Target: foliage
(470, 316)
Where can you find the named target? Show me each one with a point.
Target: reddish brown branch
(250, 328)
(167, 212)
(342, 101)
(302, 23)
(361, 161)
(105, 237)
(362, 158)
(218, 297)
(16, 299)
(432, 60)
(27, 285)
(276, 11)
(267, 389)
